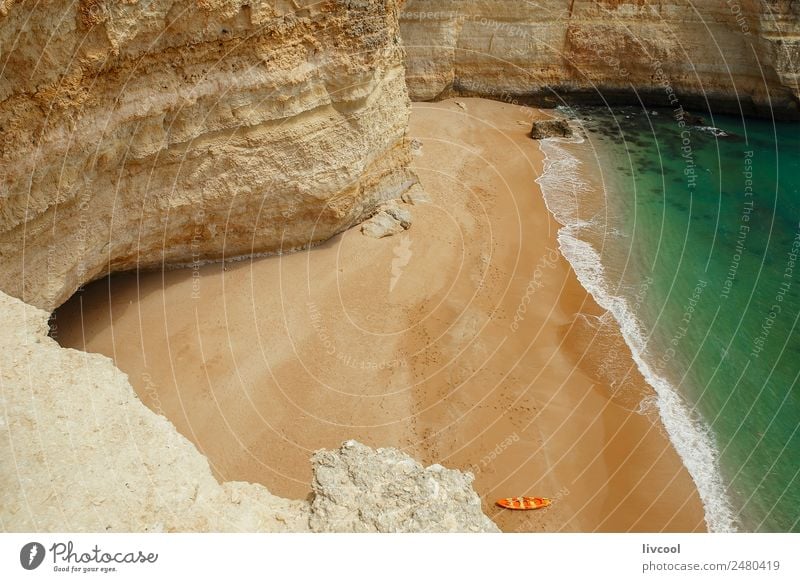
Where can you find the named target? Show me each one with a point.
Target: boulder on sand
(391, 219)
(550, 128)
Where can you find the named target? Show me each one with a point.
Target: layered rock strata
(80, 452)
(738, 55)
(136, 134)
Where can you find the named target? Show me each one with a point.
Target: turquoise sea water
(691, 239)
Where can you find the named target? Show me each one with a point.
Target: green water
(706, 243)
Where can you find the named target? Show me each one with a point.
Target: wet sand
(466, 341)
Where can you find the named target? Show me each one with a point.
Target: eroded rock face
(139, 133)
(80, 452)
(744, 53)
(357, 489)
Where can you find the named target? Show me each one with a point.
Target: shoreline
(521, 407)
(690, 437)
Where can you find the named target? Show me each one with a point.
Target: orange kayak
(523, 502)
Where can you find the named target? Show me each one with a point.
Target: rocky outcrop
(545, 128)
(736, 54)
(135, 134)
(357, 490)
(390, 219)
(80, 452)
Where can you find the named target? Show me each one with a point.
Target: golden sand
(466, 341)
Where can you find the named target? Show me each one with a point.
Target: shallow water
(691, 240)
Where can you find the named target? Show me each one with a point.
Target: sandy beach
(465, 341)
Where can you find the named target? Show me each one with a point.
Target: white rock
(358, 489)
(391, 219)
(400, 214)
(381, 225)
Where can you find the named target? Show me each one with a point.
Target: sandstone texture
(737, 54)
(357, 490)
(391, 218)
(139, 133)
(80, 452)
(381, 225)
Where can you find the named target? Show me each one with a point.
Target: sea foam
(562, 187)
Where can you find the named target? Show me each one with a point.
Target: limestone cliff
(80, 452)
(138, 133)
(734, 53)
